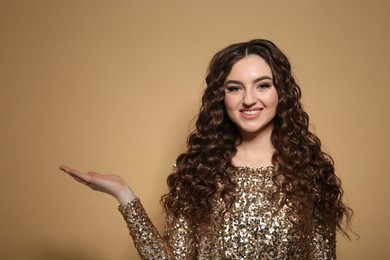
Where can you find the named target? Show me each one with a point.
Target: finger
(81, 181)
(79, 176)
(66, 169)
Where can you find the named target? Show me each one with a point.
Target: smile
(251, 112)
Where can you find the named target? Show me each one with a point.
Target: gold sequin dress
(251, 229)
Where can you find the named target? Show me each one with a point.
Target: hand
(110, 184)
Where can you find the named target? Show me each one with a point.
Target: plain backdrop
(114, 86)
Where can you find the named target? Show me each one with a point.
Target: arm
(176, 243)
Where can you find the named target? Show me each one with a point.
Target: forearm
(147, 240)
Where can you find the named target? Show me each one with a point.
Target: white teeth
(250, 112)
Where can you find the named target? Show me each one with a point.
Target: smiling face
(250, 96)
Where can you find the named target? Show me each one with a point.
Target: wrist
(125, 196)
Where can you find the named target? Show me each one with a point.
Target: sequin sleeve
(324, 242)
(175, 244)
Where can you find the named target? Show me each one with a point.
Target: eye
(264, 85)
(232, 88)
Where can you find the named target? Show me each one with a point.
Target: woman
(254, 182)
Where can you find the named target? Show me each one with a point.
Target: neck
(255, 149)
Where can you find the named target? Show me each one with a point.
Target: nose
(249, 98)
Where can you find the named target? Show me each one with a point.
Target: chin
(256, 130)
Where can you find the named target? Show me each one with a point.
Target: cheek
(275, 105)
(229, 106)
(274, 98)
(276, 101)
(228, 102)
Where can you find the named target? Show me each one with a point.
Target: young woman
(254, 182)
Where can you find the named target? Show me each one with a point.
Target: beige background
(112, 86)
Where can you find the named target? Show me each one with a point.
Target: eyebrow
(255, 81)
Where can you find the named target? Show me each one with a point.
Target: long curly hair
(305, 175)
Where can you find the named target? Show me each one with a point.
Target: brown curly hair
(305, 176)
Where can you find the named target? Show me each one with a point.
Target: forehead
(250, 66)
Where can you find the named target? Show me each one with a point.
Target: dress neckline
(255, 168)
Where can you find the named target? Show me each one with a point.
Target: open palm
(107, 183)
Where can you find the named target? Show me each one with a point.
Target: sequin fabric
(253, 228)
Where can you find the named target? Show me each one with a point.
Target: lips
(251, 113)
